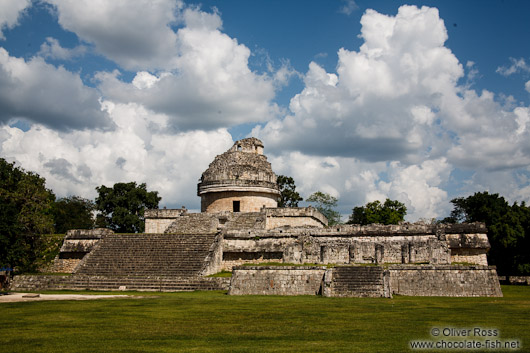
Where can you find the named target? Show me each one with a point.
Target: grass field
(215, 322)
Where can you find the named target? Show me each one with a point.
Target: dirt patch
(24, 297)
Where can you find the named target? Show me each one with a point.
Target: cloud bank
(396, 112)
(396, 119)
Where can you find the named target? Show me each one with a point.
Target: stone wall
(517, 280)
(265, 280)
(194, 223)
(249, 221)
(233, 259)
(452, 281)
(373, 244)
(249, 201)
(77, 244)
(309, 247)
(370, 250)
(214, 259)
(468, 248)
(164, 212)
(295, 217)
(115, 283)
(469, 256)
(367, 281)
(158, 220)
(63, 265)
(157, 226)
(258, 250)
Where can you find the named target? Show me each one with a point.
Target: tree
(508, 229)
(478, 208)
(121, 208)
(73, 212)
(25, 216)
(326, 204)
(289, 197)
(390, 212)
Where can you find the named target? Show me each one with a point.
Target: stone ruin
(239, 180)
(241, 227)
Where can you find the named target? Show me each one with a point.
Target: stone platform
(116, 283)
(367, 281)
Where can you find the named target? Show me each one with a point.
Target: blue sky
(421, 101)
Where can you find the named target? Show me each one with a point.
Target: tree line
(29, 211)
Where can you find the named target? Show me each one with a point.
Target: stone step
(147, 254)
(114, 283)
(360, 281)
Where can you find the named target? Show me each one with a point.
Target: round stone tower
(239, 180)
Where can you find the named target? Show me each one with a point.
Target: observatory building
(239, 180)
(270, 249)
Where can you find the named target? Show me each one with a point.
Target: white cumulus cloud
(10, 11)
(53, 49)
(136, 35)
(211, 85)
(43, 93)
(517, 66)
(396, 108)
(139, 149)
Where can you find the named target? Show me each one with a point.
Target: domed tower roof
(242, 171)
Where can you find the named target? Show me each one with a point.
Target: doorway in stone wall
(236, 206)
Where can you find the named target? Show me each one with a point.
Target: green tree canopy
(121, 208)
(390, 212)
(326, 204)
(289, 197)
(25, 216)
(508, 229)
(73, 212)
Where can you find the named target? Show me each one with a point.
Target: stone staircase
(355, 281)
(142, 262)
(169, 255)
(112, 283)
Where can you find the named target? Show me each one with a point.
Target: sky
(419, 102)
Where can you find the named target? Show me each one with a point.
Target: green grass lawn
(216, 322)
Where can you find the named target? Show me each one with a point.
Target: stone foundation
(367, 281)
(445, 281)
(276, 280)
(115, 283)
